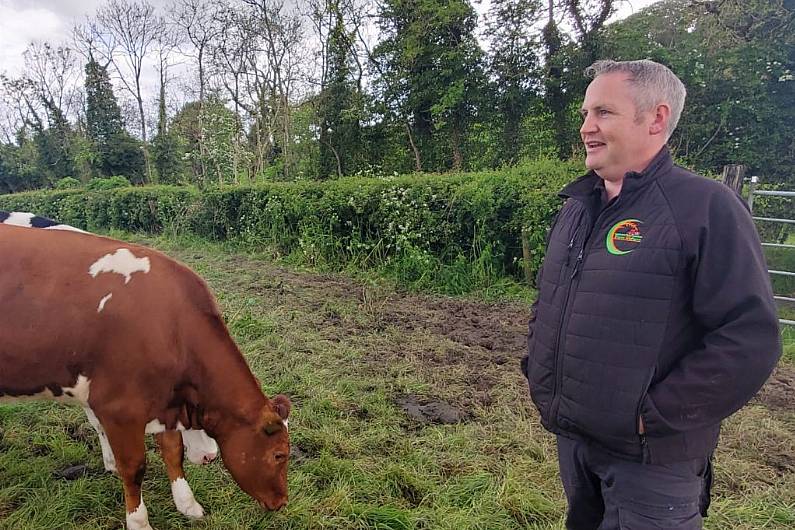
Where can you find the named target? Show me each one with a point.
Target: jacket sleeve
(733, 304)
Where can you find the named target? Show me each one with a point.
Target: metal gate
(791, 194)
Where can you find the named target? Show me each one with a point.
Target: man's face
(617, 138)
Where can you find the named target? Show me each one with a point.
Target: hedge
(413, 224)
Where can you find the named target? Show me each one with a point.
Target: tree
(513, 67)
(43, 95)
(281, 35)
(216, 125)
(166, 147)
(339, 108)
(133, 28)
(115, 151)
(566, 59)
(736, 60)
(429, 65)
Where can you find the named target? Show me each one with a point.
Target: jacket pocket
(637, 516)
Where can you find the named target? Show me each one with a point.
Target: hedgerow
(453, 232)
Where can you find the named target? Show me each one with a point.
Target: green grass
(345, 350)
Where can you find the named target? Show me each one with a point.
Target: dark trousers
(607, 493)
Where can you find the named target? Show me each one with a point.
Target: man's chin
(592, 162)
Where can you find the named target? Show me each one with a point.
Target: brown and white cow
(200, 448)
(138, 339)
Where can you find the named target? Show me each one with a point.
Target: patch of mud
(784, 464)
(778, 394)
(429, 411)
(496, 327)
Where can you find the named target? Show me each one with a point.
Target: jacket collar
(590, 183)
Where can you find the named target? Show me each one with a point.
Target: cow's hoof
(193, 511)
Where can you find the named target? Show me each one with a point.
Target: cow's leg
(170, 443)
(127, 442)
(107, 453)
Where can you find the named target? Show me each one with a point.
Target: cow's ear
(282, 405)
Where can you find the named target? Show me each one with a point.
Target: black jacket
(656, 305)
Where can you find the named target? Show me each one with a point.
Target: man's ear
(661, 115)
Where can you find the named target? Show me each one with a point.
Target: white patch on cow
(69, 394)
(286, 425)
(107, 453)
(121, 262)
(102, 302)
(19, 219)
(200, 448)
(80, 391)
(65, 227)
(154, 427)
(139, 519)
(184, 500)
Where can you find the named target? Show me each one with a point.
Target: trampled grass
(410, 412)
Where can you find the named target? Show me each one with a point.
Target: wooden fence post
(733, 176)
(528, 274)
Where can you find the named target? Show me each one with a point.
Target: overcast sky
(23, 21)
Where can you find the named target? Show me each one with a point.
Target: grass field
(410, 412)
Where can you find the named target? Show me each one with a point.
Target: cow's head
(256, 454)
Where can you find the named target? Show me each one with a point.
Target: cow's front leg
(170, 443)
(127, 442)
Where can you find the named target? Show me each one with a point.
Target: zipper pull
(577, 265)
(568, 251)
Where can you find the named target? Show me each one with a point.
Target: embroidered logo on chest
(624, 237)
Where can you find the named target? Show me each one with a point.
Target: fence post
(528, 274)
(733, 176)
(751, 188)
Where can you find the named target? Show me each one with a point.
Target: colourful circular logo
(623, 237)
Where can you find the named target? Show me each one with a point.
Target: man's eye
(604, 112)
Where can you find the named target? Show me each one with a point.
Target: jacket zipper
(565, 314)
(644, 448)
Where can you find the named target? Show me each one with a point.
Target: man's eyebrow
(583, 110)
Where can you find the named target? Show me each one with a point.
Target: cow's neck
(225, 387)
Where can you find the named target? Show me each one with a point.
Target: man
(655, 318)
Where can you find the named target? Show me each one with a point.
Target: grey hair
(654, 84)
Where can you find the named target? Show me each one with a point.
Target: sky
(23, 21)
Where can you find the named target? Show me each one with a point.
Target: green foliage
(339, 102)
(19, 167)
(737, 63)
(515, 69)
(207, 138)
(99, 183)
(113, 150)
(431, 70)
(67, 183)
(451, 233)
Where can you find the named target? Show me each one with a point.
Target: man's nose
(588, 125)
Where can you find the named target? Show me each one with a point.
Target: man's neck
(613, 188)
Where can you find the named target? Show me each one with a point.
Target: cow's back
(76, 304)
